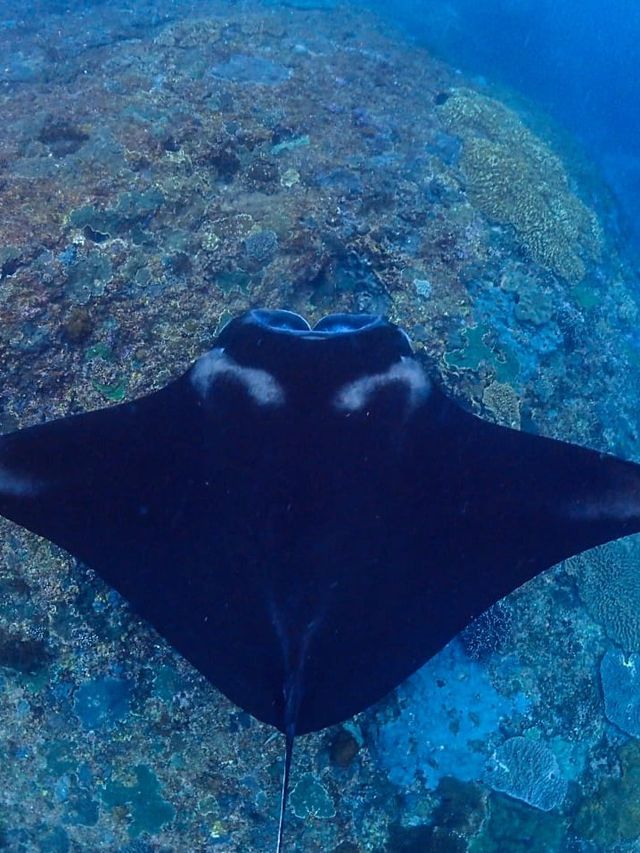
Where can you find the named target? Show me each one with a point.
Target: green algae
(59, 758)
(82, 810)
(131, 209)
(507, 367)
(234, 280)
(475, 351)
(99, 351)
(519, 828)
(167, 682)
(586, 296)
(290, 144)
(56, 841)
(225, 318)
(115, 392)
(310, 798)
(611, 816)
(147, 810)
(88, 277)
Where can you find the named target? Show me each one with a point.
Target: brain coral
(608, 580)
(514, 178)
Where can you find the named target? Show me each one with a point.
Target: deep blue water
(577, 60)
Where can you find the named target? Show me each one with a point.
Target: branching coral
(503, 403)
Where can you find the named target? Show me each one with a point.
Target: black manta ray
(305, 516)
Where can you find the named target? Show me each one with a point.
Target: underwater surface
(165, 166)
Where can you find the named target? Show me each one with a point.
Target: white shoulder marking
(355, 395)
(17, 485)
(263, 388)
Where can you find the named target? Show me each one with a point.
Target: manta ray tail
(292, 695)
(286, 773)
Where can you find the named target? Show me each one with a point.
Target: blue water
(577, 60)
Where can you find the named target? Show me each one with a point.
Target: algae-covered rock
(242, 68)
(311, 798)
(449, 711)
(620, 676)
(23, 654)
(535, 307)
(518, 828)
(88, 277)
(146, 809)
(457, 817)
(102, 702)
(611, 815)
(78, 325)
(462, 806)
(9, 260)
(344, 748)
(476, 351)
(516, 179)
(132, 208)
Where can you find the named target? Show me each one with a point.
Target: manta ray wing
(305, 516)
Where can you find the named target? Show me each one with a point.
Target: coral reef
(620, 675)
(449, 712)
(491, 632)
(516, 179)
(527, 770)
(165, 166)
(310, 798)
(517, 828)
(610, 818)
(609, 584)
(502, 404)
(141, 799)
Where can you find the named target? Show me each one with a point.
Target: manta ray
(306, 516)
